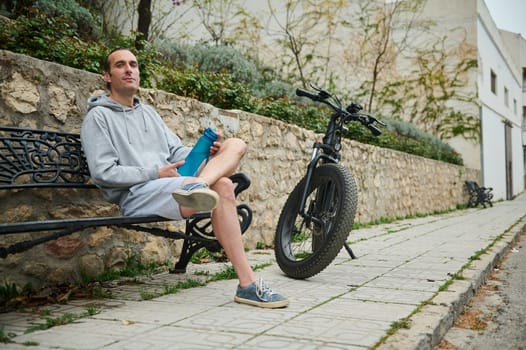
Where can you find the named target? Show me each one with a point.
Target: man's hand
(170, 170)
(215, 148)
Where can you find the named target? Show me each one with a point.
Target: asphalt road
(495, 318)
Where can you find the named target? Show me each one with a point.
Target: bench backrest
(472, 186)
(41, 158)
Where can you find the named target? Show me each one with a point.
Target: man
(133, 158)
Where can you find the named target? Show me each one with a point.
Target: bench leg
(199, 234)
(197, 227)
(189, 248)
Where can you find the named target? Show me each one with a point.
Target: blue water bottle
(198, 154)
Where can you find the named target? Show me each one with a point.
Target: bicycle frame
(331, 145)
(330, 153)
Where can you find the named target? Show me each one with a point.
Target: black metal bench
(478, 194)
(32, 159)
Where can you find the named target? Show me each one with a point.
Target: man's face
(124, 72)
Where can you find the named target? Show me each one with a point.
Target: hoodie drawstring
(126, 125)
(143, 118)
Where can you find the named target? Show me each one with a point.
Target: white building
(500, 84)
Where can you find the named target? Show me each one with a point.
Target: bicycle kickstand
(349, 250)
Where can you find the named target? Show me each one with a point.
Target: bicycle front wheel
(306, 244)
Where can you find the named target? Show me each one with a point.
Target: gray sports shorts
(153, 198)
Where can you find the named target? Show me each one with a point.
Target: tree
(382, 32)
(440, 78)
(15, 8)
(152, 17)
(219, 18)
(144, 10)
(144, 20)
(305, 29)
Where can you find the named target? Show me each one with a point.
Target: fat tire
(327, 248)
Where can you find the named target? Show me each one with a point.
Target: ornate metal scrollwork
(42, 159)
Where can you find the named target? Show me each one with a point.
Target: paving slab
(409, 282)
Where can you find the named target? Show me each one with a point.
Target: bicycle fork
(313, 163)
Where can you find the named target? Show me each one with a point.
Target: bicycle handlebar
(353, 114)
(304, 93)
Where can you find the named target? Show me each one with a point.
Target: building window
(506, 97)
(493, 82)
(514, 106)
(524, 79)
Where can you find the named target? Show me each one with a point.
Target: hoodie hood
(106, 101)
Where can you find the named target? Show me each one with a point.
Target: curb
(430, 324)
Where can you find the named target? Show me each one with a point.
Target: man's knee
(235, 145)
(224, 188)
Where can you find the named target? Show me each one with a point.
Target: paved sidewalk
(400, 278)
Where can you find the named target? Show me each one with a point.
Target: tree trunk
(144, 11)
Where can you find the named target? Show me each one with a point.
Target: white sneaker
(196, 195)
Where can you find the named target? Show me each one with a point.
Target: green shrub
(421, 143)
(54, 39)
(288, 110)
(217, 89)
(224, 59)
(273, 88)
(180, 56)
(83, 22)
(38, 36)
(228, 60)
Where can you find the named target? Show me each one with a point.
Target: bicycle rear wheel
(305, 245)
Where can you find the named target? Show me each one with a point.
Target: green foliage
(83, 22)
(227, 274)
(220, 59)
(55, 40)
(38, 36)
(309, 116)
(133, 268)
(273, 88)
(225, 60)
(61, 320)
(9, 292)
(217, 89)
(4, 338)
(399, 135)
(439, 82)
(180, 56)
(418, 142)
(51, 39)
(172, 289)
(231, 81)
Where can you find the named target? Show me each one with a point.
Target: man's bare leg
(225, 224)
(223, 163)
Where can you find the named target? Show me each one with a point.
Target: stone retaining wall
(43, 95)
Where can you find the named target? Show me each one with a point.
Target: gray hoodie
(126, 146)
